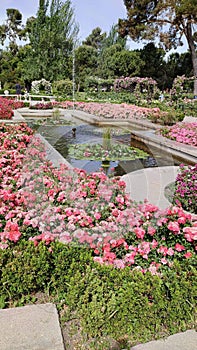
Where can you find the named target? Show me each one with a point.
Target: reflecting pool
(62, 136)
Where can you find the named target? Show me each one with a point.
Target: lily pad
(98, 152)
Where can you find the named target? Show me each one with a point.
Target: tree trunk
(194, 62)
(192, 48)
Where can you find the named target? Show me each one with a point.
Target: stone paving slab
(32, 327)
(149, 183)
(180, 341)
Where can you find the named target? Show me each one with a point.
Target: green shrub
(122, 302)
(118, 303)
(167, 116)
(67, 261)
(24, 269)
(63, 87)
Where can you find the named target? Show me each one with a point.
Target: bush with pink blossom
(47, 204)
(43, 105)
(113, 111)
(7, 106)
(185, 192)
(182, 132)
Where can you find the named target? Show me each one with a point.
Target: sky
(89, 14)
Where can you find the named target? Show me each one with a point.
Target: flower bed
(41, 203)
(43, 106)
(78, 241)
(185, 191)
(113, 111)
(182, 132)
(7, 106)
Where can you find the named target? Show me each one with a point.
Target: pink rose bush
(182, 132)
(113, 111)
(130, 83)
(185, 193)
(41, 203)
(43, 105)
(7, 106)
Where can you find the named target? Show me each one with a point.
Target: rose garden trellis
(138, 86)
(37, 84)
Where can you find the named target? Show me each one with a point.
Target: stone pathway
(150, 184)
(32, 327)
(180, 341)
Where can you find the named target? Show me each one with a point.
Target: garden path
(180, 341)
(32, 327)
(150, 184)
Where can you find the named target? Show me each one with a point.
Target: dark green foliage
(63, 88)
(120, 302)
(108, 302)
(52, 37)
(95, 39)
(12, 29)
(95, 84)
(155, 65)
(67, 262)
(86, 61)
(167, 21)
(24, 269)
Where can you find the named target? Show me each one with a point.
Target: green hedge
(108, 302)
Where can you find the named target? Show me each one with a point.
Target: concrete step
(32, 327)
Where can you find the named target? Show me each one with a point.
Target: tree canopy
(12, 29)
(95, 39)
(52, 35)
(166, 21)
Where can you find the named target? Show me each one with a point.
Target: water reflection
(63, 136)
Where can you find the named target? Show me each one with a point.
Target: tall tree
(12, 29)
(178, 65)
(86, 61)
(117, 62)
(114, 38)
(154, 64)
(11, 68)
(52, 36)
(166, 20)
(95, 39)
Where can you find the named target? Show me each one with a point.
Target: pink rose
(173, 226)
(179, 248)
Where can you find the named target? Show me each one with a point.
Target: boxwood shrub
(117, 303)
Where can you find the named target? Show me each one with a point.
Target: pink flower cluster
(113, 111)
(130, 82)
(182, 132)
(42, 203)
(7, 106)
